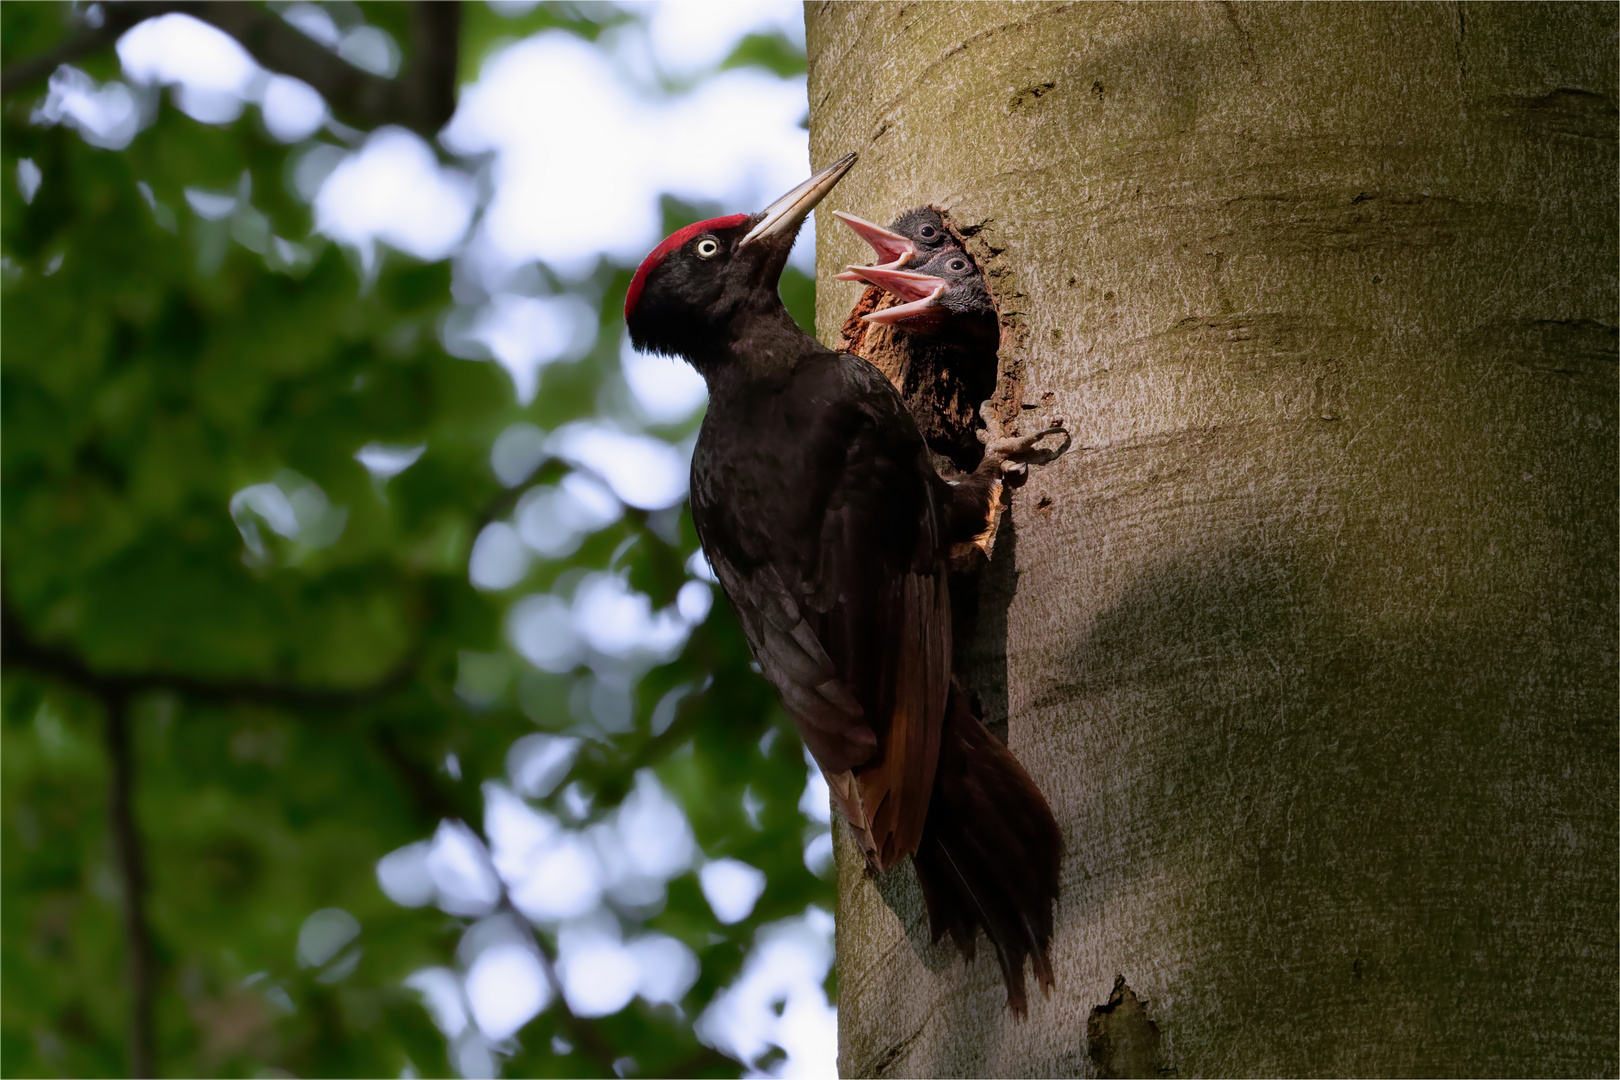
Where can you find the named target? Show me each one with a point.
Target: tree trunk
(1310, 640)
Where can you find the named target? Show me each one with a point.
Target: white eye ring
(707, 248)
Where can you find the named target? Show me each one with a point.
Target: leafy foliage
(296, 715)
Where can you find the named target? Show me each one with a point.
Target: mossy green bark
(1311, 640)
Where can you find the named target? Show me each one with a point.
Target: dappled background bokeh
(368, 709)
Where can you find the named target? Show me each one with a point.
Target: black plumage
(830, 533)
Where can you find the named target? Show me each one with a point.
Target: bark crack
(1462, 50)
(927, 70)
(895, 1052)
(1249, 61)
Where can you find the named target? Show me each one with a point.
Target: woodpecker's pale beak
(893, 250)
(921, 291)
(785, 215)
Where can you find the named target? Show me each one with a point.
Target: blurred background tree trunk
(1311, 639)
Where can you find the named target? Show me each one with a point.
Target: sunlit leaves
(253, 465)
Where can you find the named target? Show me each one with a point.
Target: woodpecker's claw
(1022, 447)
(1015, 453)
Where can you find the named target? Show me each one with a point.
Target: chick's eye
(958, 265)
(707, 248)
(928, 232)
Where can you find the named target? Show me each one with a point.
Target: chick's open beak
(920, 291)
(893, 250)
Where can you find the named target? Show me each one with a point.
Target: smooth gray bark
(1311, 641)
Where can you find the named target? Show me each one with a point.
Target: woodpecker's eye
(927, 232)
(958, 265)
(707, 248)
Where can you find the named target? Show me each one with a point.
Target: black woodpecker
(830, 533)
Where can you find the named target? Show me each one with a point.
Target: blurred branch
(422, 98)
(87, 39)
(706, 1061)
(585, 1034)
(131, 858)
(428, 81)
(581, 1031)
(420, 781)
(19, 647)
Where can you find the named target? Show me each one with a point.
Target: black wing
(825, 524)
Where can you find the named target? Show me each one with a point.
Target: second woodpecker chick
(945, 296)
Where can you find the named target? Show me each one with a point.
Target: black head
(707, 285)
(693, 285)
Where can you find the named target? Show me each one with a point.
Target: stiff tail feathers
(990, 852)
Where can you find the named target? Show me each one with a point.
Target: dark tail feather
(990, 852)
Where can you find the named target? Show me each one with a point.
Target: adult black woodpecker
(830, 533)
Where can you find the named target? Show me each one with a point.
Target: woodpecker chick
(946, 299)
(915, 237)
(947, 291)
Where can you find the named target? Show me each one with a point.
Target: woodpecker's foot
(1014, 453)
